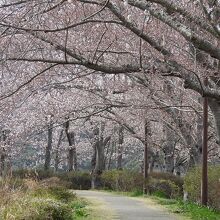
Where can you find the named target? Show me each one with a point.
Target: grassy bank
(164, 189)
(191, 210)
(31, 200)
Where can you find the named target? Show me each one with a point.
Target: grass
(80, 207)
(37, 202)
(97, 210)
(27, 199)
(32, 200)
(188, 209)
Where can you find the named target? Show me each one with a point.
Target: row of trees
(89, 77)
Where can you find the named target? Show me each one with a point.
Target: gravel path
(127, 208)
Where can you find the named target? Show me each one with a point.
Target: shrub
(44, 174)
(77, 180)
(79, 207)
(12, 184)
(57, 193)
(54, 182)
(192, 184)
(164, 188)
(50, 209)
(30, 184)
(42, 201)
(73, 179)
(27, 208)
(163, 184)
(168, 176)
(122, 180)
(33, 173)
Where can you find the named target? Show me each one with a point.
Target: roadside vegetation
(192, 210)
(38, 194)
(29, 199)
(167, 190)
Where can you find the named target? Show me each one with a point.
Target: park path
(128, 208)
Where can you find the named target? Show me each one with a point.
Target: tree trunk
(120, 148)
(3, 153)
(170, 143)
(146, 165)
(2, 161)
(57, 158)
(49, 147)
(112, 148)
(99, 143)
(93, 161)
(99, 157)
(169, 149)
(196, 149)
(72, 157)
(107, 154)
(94, 158)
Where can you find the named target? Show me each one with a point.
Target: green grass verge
(188, 209)
(97, 210)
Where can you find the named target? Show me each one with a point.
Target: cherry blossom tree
(125, 61)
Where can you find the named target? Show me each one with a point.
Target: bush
(164, 188)
(27, 208)
(165, 185)
(77, 180)
(50, 209)
(54, 182)
(12, 184)
(168, 176)
(122, 180)
(192, 185)
(57, 193)
(73, 179)
(33, 173)
(43, 201)
(161, 184)
(79, 207)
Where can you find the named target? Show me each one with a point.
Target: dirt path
(127, 208)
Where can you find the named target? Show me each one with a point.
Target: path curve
(127, 208)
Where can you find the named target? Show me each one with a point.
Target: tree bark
(170, 143)
(72, 157)
(93, 161)
(2, 161)
(120, 148)
(49, 147)
(196, 150)
(57, 156)
(112, 148)
(94, 157)
(146, 165)
(169, 149)
(99, 144)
